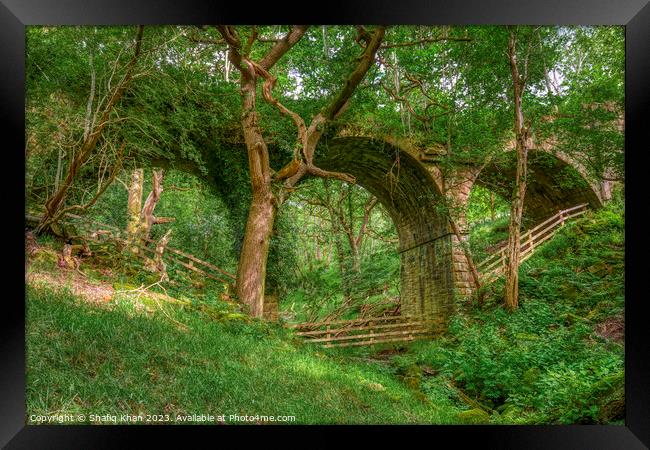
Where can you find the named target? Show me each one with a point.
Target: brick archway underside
(553, 184)
(413, 200)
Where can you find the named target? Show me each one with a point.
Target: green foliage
(487, 236)
(546, 362)
(480, 208)
(326, 273)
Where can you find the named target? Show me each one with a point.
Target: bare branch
(90, 142)
(88, 123)
(117, 166)
(367, 210)
(425, 41)
(205, 40)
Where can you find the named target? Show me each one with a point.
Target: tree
(521, 147)
(251, 270)
(140, 218)
(94, 125)
(588, 121)
(349, 222)
(530, 51)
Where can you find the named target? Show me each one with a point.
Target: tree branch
(424, 41)
(89, 143)
(282, 46)
(365, 61)
(367, 210)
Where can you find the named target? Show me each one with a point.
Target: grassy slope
(548, 362)
(87, 359)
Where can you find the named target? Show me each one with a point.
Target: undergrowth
(559, 358)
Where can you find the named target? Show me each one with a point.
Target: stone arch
(413, 200)
(554, 183)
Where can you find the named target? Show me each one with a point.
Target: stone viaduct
(421, 198)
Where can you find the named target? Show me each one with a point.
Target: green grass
(89, 360)
(544, 363)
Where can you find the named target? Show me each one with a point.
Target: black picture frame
(634, 14)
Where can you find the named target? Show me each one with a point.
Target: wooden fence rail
(367, 331)
(492, 266)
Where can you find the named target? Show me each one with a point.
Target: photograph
(325, 224)
(411, 221)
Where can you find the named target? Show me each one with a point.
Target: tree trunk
(251, 272)
(140, 220)
(59, 164)
(517, 206)
(356, 259)
(147, 219)
(158, 264)
(133, 209)
(514, 235)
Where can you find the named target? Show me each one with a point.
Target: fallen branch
(468, 400)
(142, 290)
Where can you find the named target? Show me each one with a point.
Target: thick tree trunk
(251, 272)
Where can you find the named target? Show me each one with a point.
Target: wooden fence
(171, 254)
(493, 266)
(368, 331)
